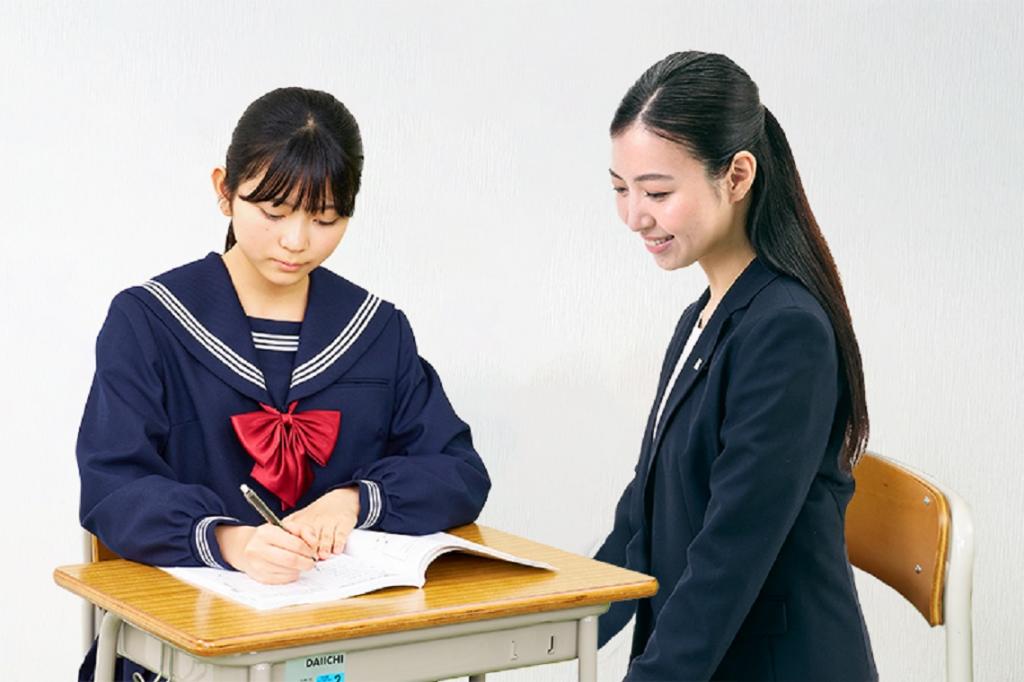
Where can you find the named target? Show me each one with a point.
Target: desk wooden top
(460, 588)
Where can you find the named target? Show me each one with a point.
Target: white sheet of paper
(393, 560)
(337, 578)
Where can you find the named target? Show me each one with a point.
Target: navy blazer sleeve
(779, 408)
(130, 498)
(432, 477)
(613, 551)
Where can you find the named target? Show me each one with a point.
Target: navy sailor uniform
(176, 359)
(276, 342)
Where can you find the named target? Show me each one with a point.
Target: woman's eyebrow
(645, 177)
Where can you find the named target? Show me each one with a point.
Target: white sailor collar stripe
(341, 343)
(204, 337)
(198, 303)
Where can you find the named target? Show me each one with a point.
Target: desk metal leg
(260, 672)
(586, 649)
(477, 678)
(88, 625)
(106, 650)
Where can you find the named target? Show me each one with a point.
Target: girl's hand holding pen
(269, 554)
(280, 550)
(326, 523)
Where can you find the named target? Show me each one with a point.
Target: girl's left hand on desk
(326, 523)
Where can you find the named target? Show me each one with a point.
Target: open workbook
(372, 560)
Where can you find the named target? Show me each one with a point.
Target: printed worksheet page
(336, 578)
(372, 560)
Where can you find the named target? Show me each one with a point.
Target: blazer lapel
(754, 278)
(675, 347)
(683, 329)
(198, 303)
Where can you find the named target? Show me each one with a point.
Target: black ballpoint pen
(266, 512)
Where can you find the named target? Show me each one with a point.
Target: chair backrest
(97, 551)
(897, 529)
(916, 536)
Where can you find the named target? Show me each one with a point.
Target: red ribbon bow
(280, 443)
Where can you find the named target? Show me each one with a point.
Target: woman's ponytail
(785, 234)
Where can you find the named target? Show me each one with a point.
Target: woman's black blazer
(738, 502)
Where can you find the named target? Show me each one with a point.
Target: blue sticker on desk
(319, 668)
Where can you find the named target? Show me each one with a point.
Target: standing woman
(259, 366)
(737, 505)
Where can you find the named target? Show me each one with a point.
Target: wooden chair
(916, 536)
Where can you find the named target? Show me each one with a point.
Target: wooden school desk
(473, 616)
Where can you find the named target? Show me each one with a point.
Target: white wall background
(487, 216)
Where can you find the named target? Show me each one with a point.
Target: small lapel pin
(697, 364)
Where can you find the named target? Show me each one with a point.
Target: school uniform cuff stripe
(202, 541)
(374, 499)
(334, 350)
(218, 348)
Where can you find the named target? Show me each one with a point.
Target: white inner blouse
(690, 342)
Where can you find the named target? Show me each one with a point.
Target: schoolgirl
(737, 505)
(259, 366)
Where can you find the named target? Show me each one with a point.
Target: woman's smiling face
(664, 195)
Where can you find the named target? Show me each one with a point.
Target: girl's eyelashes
(621, 191)
(319, 221)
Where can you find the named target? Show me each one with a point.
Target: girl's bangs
(302, 175)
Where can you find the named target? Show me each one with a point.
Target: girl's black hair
(711, 107)
(301, 140)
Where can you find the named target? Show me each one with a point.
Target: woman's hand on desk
(326, 523)
(266, 553)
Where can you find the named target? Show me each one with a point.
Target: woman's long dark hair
(302, 140)
(710, 106)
